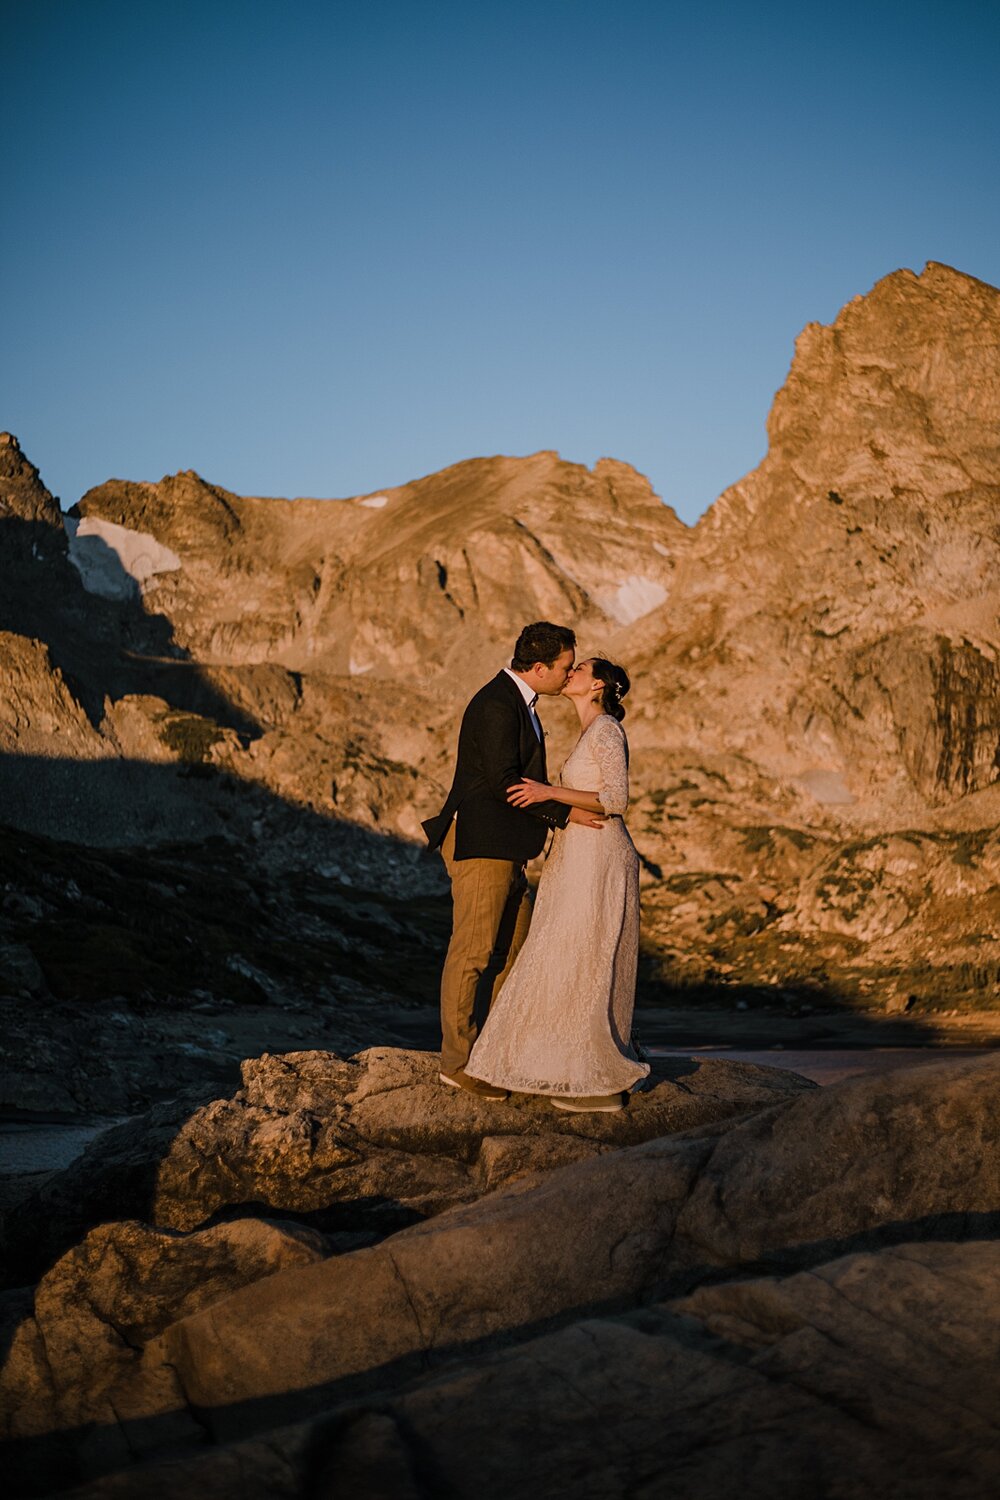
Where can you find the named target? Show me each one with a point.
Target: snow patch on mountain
(632, 599)
(114, 561)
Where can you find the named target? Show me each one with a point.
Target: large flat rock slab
(371, 1144)
(232, 1339)
(872, 1374)
(847, 1167)
(875, 1374)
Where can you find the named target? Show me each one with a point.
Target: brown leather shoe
(461, 1080)
(605, 1104)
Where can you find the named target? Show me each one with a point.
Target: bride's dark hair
(616, 685)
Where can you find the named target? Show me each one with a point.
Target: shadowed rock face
(795, 1387)
(808, 1290)
(118, 1289)
(160, 969)
(23, 497)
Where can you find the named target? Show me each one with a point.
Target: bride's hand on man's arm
(526, 792)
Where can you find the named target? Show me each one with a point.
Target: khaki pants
(490, 918)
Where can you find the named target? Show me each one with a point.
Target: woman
(561, 1024)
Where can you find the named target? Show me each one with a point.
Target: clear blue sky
(317, 248)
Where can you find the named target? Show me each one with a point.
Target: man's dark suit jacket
(497, 745)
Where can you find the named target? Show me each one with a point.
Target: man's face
(549, 681)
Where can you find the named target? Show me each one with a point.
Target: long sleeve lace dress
(562, 1022)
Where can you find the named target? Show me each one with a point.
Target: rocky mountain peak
(900, 394)
(23, 497)
(416, 573)
(838, 612)
(21, 488)
(183, 511)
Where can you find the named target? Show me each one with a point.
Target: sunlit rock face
(827, 669)
(833, 618)
(432, 575)
(347, 633)
(837, 615)
(39, 711)
(364, 1145)
(202, 1199)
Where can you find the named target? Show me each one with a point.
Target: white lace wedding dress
(562, 1022)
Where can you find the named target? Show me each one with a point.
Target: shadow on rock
(106, 645)
(193, 923)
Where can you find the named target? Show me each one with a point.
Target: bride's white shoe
(590, 1103)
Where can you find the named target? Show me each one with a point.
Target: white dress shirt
(530, 697)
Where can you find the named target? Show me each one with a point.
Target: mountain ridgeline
(815, 718)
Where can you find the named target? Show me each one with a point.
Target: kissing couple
(542, 1004)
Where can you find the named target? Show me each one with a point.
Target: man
(485, 842)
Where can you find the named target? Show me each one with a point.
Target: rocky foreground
(346, 1280)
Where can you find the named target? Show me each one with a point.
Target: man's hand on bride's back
(585, 819)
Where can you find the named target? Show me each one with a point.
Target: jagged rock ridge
(841, 602)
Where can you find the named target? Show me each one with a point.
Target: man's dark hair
(541, 642)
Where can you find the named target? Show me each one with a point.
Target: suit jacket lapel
(534, 761)
(532, 748)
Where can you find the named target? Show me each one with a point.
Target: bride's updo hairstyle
(616, 685)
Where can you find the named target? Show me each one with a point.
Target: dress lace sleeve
(608, 746)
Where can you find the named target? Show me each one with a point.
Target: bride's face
(580, 683)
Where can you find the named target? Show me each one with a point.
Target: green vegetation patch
(189, 736)
(686, 881)
(758, 837)
(968, 847)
